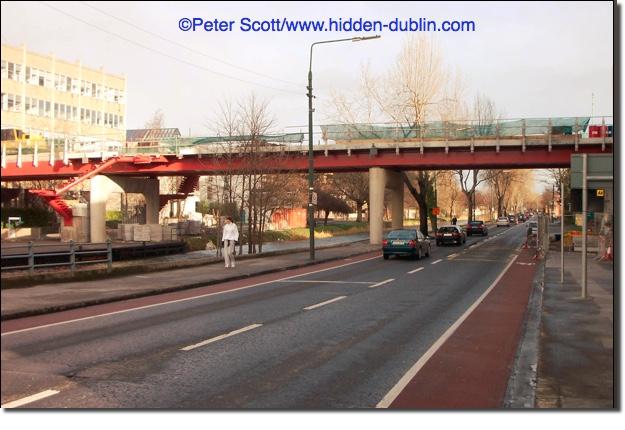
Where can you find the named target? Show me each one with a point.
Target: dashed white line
(30, 399)
(327, 302)
(382, 283)
(437, 261)
(452, 256)
(185, 299)
(418, 269)
(220, 337)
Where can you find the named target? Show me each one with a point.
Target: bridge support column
(395, 183)
(377, 183)
(100, 189)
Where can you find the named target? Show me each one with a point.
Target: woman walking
(229, 239)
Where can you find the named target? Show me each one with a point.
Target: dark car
(512, 219)
(521, 218)
(405, 242)
(450, 234)
(477, 227)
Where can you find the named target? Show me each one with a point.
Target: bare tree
(156, 121)
(355, 186)
(501, 182)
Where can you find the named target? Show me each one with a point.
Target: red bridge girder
(334, 161)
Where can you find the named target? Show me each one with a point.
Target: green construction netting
(455, 129)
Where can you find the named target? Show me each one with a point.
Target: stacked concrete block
(156, 232)
(141, 233)
(170, 232)
(126, 231)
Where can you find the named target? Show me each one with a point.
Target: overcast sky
(533, 59)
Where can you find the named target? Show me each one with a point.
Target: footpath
(576, 360)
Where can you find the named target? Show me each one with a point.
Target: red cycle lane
(471, 368)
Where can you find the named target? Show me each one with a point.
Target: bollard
(72, 257)
(109, 255)
(31, 259)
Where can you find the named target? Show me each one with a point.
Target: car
(522, 218)
(512, 219)
(477, 227)
(534, 226)
(450, 234)
(406, 242)
(503, 221)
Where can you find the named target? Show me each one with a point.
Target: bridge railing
(51, 150)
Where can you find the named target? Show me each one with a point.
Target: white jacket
(231, 232)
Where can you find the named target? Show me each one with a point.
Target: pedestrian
(229, 239)
(454, 220)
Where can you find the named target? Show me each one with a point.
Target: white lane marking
(418, 269)
(327, 302)
(386, 281)
(30, 399)
(327, 282)
(220, 337)
(412, 372)
(437, 261)
(185, 299)
(141, 276)
(452, 256)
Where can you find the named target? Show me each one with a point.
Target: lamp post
(311, 173)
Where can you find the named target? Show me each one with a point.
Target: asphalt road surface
(326, 338)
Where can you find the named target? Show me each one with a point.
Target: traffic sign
(314, 198)
(436, 211)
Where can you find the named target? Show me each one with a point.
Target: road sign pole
(584, 220)
(561, 231)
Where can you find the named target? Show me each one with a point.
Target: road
(338, 335)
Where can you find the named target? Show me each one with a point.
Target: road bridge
(382, 150)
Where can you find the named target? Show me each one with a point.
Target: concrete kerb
(84, 303)
(139, 266)
(521, 389)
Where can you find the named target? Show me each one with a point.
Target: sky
(532, 59)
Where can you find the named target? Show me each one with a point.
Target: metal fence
(75, 256)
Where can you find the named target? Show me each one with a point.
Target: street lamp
(311, 178)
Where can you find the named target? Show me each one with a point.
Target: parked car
(477, 227)
(534, 226)
(503, 221)
(407, 243)
(450, 234)
(512, 219)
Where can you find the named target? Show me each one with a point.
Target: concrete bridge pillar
(102, 186)
(379, 180)
(377, 183)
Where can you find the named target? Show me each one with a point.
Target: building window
(18, 104)
(98, 91)
(68, 88)
(18, 72)
(48, 112)
(11, 70)
(11, 102)
(75, 86)
(5, 101)
(41, 106)
(5, 70)
(74, 113)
